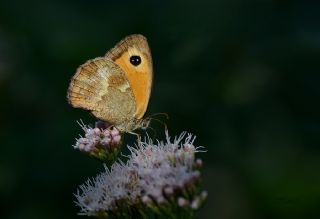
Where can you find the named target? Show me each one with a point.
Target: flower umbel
(103, 143)
(161, 178)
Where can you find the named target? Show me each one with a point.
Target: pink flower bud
(81, 147)
(106, 132)
(146, 200)
(105, 141)
(97, 131)
(116, 139)
(89, 132)
(168, 191)
(114, 132)
(182, 202)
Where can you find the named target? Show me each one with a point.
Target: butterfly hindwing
(102, 87)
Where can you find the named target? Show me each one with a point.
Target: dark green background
(241, 75)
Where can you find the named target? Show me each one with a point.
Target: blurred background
(241, 75)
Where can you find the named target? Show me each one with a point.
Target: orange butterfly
(116, 88)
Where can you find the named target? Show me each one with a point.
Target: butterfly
(116, 87)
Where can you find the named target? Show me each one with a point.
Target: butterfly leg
(136, 134)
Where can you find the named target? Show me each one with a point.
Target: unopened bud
(182, 202)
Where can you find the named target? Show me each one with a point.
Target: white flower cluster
(154, 174)
(96, 137)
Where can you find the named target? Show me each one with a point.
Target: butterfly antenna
(159, 121)
(161, 114)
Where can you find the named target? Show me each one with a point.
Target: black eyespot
(135, 60)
